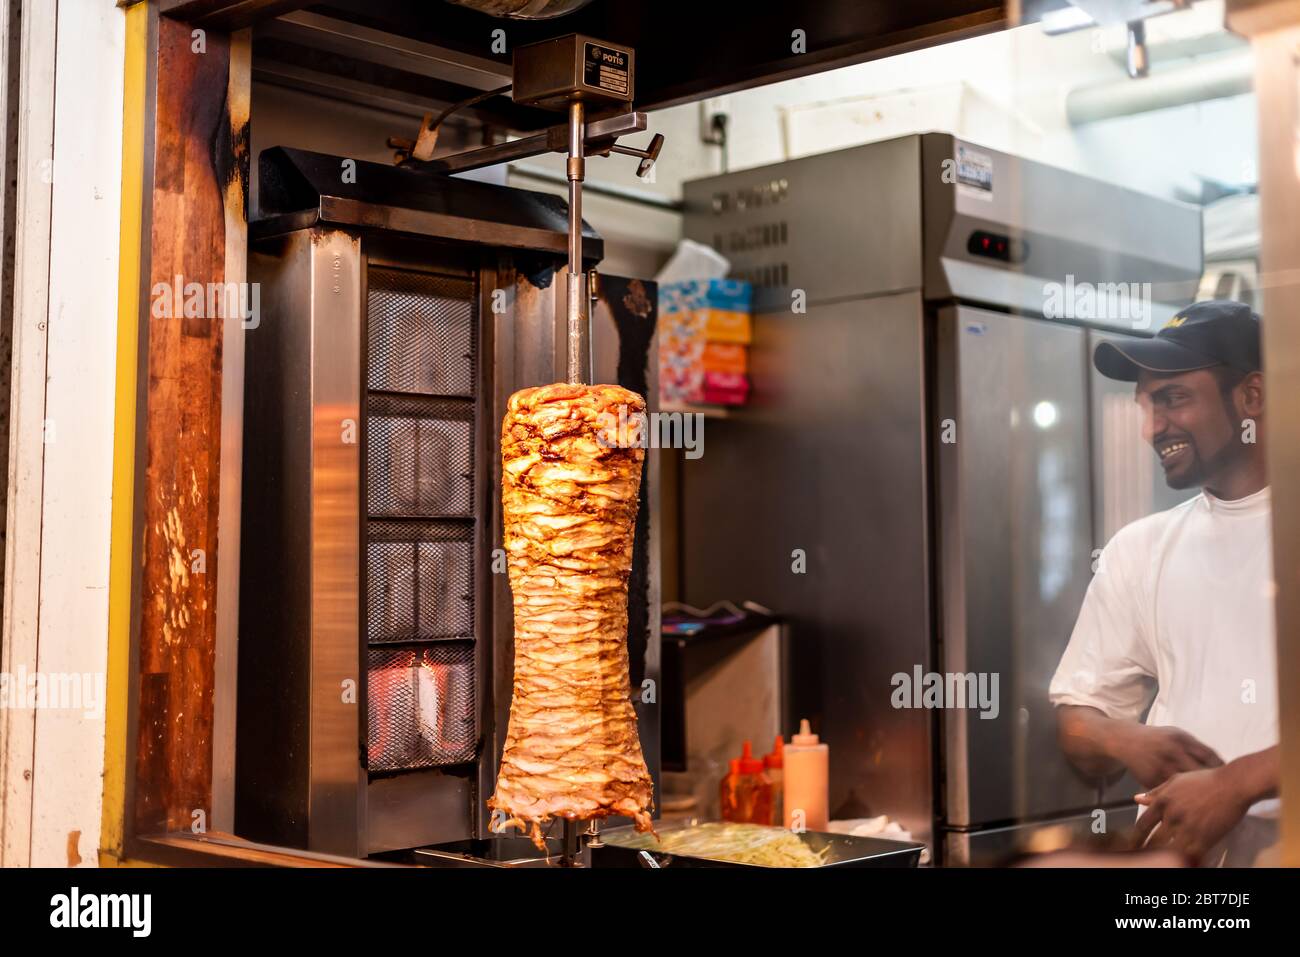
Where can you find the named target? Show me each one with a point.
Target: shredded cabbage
(736, 843)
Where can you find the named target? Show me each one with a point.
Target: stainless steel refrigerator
(929, 462)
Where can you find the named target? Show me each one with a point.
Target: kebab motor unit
(401, 311)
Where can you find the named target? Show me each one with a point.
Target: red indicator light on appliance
(995, 246)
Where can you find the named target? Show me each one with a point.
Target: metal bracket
(601, 137)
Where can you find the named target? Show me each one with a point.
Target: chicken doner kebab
(569, 502)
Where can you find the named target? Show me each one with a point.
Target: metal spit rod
(577, 292)
(578, 333)
(570, 852)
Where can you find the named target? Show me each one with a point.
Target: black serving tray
(843, 850)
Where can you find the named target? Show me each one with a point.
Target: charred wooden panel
(199, 163)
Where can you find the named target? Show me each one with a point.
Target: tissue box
(725, 357)
(727, 294)
(725, 388)
(680, 380)
(727, 325)
(704, 326)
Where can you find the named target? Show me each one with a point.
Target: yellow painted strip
(124, 425)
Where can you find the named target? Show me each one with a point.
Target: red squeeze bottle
(758, 806)
(729, 793)
(746, 792)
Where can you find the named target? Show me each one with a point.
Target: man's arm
(1255, 777)
(1100, 746)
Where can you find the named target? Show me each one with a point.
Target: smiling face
(1193, 421)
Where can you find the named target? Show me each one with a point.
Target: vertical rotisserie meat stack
(570, 483)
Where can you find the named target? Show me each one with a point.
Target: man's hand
(1191, 812)
(1155, 754)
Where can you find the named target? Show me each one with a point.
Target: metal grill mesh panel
(419, 463)
(420, 332)
(421, 707)
(420, 457)
(418, 581)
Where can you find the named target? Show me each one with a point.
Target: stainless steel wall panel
(335, 540)
(272, 771)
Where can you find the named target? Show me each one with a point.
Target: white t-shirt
(1182, 605)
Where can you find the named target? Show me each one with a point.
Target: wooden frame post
(1273, 27)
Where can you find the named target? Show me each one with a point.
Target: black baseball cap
(1205, 334)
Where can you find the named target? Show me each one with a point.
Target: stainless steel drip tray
(491, 852)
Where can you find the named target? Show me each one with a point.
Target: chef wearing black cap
(1178, 620)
